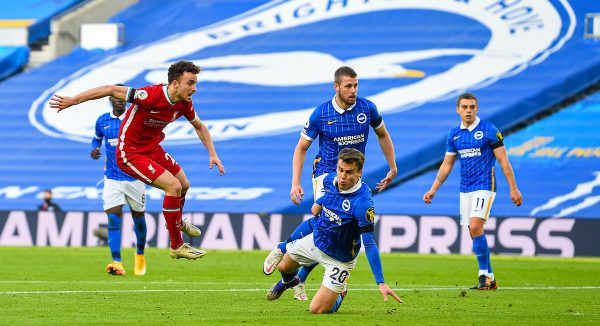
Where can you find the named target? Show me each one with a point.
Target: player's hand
(516, 197)
(386, 181)
(215, 160)
(385, 290)
(428, 196)
(95, 154)
(296, 194)
(61, 102)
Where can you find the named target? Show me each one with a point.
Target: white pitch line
(526, 288)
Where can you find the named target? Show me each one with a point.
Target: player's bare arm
(502, 158)
(61, 102)
(386, 290)
(316, 209)
(441, 177)
(206, 139)
(387, 147)
(296, 193)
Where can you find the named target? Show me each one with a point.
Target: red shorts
(148, 166)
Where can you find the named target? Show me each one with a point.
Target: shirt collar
(471, 127)
(166, 91)
(353, 189)
(112, 115)
(337, 108)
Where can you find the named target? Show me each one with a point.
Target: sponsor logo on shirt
(350, 140)
(112, 141)
(333, 217)
(469, 152)
(153, 123)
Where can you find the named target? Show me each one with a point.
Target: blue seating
(266, 65)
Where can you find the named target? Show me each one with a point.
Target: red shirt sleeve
(145, 96)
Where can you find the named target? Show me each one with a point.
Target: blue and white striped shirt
(475, 148)
(338, 128)
(107, 128)
(345, 216)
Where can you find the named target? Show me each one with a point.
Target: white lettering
(390, 223)
(547, 241)
(219, 233)
(12, 192)
(522, 242)
(70, 234)
(429, 243)
(253, 230)
(16, 230)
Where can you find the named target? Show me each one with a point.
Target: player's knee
(185, 185)
(475, 231)
(318, 309)
(114, 221)
(174, 187)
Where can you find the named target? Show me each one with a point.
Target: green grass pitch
(68, 286)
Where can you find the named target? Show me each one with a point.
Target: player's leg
(135, 195)
(186, 227)
(305, 228)
(300, 252)
(115, 221)
(333, 288)
(112, 202)
(170, 164)
(299, 290)
(288, 268)
(480, 205)
(275, 256)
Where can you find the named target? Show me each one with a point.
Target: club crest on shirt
(346, 205)
(370, 215)
(361, 118)
(478, 135)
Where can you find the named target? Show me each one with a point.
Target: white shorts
(117, 193)
(475, 204)
(318, 186)
(304, 252)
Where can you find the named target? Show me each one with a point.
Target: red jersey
(151, 111)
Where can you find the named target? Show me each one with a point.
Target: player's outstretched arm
(61, 102)
(296, 192)
(375, 263)
(502, 157)
(442, 175)
(387, 147)
(206, 139)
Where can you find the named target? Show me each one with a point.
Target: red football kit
(139, 153)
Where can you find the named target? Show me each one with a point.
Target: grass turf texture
(63, 286)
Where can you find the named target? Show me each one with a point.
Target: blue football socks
(140, 233)
(482, 252)
(114, 236)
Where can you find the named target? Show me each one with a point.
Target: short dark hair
(352, 156)
(466, 96)
(180, 67)
(343, 71)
